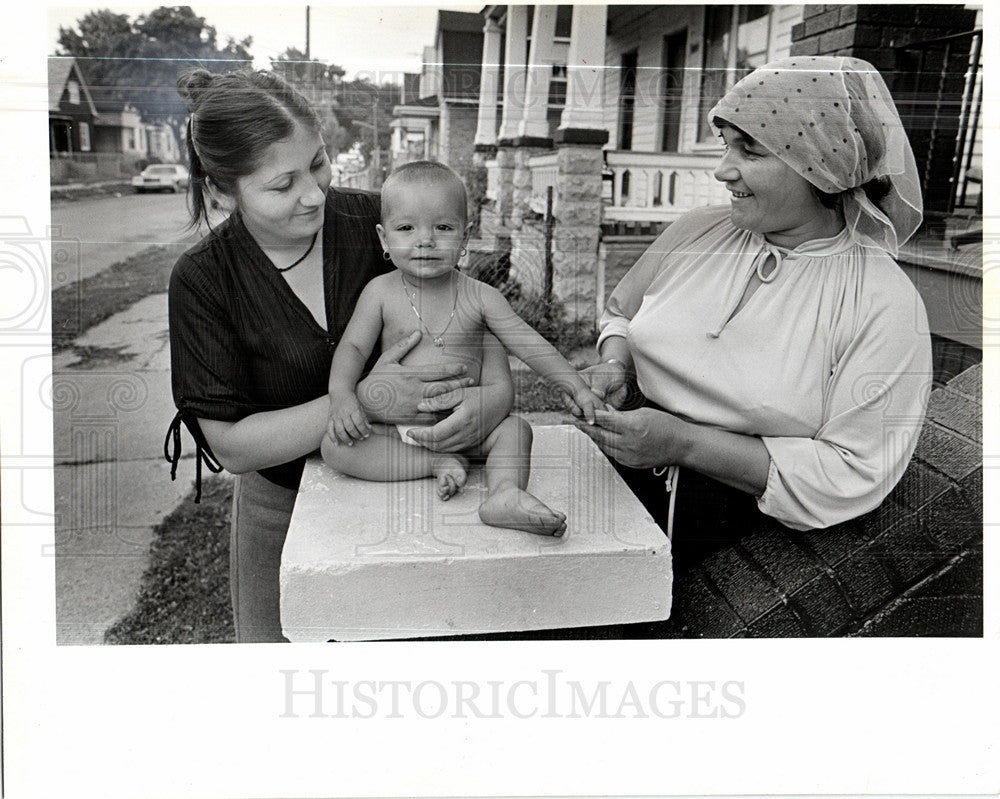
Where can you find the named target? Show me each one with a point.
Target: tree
(321, 84)
(365, 106)
(349, 109)
(296, 68)
(138, 62)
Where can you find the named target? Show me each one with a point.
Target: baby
(424, 230)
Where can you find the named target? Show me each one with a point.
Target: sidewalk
(111, 482)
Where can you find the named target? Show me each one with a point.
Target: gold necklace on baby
(439, 338)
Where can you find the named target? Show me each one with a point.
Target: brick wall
(929, 104)
(872, 32)
(911, 567)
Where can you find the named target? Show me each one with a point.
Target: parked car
(160, 177)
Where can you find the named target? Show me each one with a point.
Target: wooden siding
(643, 28)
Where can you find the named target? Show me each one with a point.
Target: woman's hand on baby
(609, 381)
(348, 422)
(642, 438)
(474, 412)
(391, 392)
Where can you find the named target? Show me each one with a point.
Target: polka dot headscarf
(833, 121)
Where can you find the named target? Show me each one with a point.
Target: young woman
(256, 311)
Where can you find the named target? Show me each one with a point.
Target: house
(72, 112)
(437, 116)
(94, 134)
(605, 106)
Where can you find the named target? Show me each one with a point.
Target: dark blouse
(242, 342)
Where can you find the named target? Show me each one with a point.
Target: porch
(642, 193)
(639, 190)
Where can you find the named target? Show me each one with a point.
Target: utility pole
(375, 149)
(308, 54)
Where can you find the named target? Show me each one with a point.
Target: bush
(548, 317)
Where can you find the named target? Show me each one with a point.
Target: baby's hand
(348, 422)
(586, 403)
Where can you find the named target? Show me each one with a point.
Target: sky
(380, 41)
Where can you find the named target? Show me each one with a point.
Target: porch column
(579, 139)
(585, 70)
(515, 62)
(486, 124)
(398, 141)
(533, 131)
(535, 123)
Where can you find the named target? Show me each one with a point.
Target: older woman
(783, 355)
(257, 307)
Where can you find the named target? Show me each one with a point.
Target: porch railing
(638, 187)
(940, 92)
(658, 187)
(356, 180)
(544, 170)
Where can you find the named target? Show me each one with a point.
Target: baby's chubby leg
(508, 466)
(381, 457)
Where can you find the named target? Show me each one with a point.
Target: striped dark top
(241, 342)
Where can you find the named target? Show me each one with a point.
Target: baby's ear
(381, 236)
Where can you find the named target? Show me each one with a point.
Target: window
(736, 42)
(84, 137)
(557, 85)
(672, 89)
(73, 90)
(564, 21)
(626, 100)
(129, 134)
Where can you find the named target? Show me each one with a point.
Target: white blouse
(828, 362)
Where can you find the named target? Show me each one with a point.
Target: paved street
(109, 229)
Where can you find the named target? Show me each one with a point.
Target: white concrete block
(366, 561)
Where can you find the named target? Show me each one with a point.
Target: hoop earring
(386, 255)
(463, 253)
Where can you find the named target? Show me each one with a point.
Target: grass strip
(81, 305)
(184, 595)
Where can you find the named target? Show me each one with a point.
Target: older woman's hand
(641, 438)
(609, 381)
(392, 392)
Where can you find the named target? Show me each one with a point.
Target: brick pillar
(521, 177)
(577, 230)
(505, 202)
(887, 36)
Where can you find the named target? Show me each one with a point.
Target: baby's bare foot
(451, 474)
(509, 506)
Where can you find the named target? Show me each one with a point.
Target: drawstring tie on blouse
(672, 474)
(203, 452)
(768, 250)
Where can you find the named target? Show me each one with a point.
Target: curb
(71, 191)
